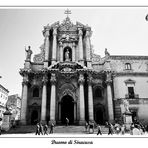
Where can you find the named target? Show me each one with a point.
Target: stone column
(73, 52)
(24, 100)
(61, 52)
(90, 100)
(44, 99)
(88, 49)
(109, 99)
(53, 98)
(54, 46)
(81, 99)
(47, 44)
(81, 59)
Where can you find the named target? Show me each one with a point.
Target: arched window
(128, 66)
(36, 92)
(98, 92)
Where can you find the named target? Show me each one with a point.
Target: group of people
(116, 128)
(43, 129)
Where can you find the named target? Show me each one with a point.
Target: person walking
(110, 129)
(41, 128)
(99, 130)
(86, 126)
(51, 128)
(45, 129)
(67, 121)
(37, 129)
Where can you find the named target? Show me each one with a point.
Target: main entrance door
(34, 117)
(67, 109)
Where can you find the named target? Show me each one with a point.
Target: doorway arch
(34, 117)
(67, 109)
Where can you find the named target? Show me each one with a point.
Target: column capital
(73, 44)
(80, 32)
(61, 44)
(88, 33)
(25, 82)
(45, 79)
(81, 79)
(89, 79)
(55, 31)
(53, 79)
(108, 82)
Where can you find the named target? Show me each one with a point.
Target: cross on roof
(67, 12)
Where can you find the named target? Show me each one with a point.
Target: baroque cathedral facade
(67, 80)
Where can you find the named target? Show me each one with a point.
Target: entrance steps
(57, 129)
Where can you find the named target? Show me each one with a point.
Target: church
(67, 80)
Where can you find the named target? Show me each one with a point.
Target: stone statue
(28, 53)
(67, 55)
(126, 105)
(106, 52)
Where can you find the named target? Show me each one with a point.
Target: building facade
(14, 105)
(66, 79)
(3, 99)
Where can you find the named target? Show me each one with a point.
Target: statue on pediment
(28, 53)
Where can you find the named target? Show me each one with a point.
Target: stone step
(57, 129)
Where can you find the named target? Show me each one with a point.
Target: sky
(122, 30)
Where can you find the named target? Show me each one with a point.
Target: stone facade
(66, 79)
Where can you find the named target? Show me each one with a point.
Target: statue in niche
(126, 105)
(28, 53)
(67, 55)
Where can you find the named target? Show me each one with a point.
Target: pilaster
(54, 46)
(47, 46)
(24, 100)
(53, 98)
(44, 99)
(81, 56)
(82, 103)
(90, 99)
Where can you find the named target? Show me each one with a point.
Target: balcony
(131, 96)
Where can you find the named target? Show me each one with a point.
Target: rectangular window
(128, 66)
(131, 92)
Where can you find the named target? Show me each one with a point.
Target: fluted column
(44, 99)
(81, 99)
(109, 98)
(47, 44)
(81, 59)
(24, 100)
(90, 100)
(53, 98)
(61, 52)
(54, 46)
(73, 52)
(88, 49)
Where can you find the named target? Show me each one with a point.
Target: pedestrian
(99, 130)
(67, 121)
(51, 128)
(110, 129)
(86, 126)
(41, 128)
(91, 127)
(46, 129)
(37, 129)
(122, 129)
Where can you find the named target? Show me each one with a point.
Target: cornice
(127, 57)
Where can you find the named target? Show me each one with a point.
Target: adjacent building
(67, 80)
(3, 99)
(14, 105)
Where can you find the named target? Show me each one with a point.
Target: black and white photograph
(73, 72)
